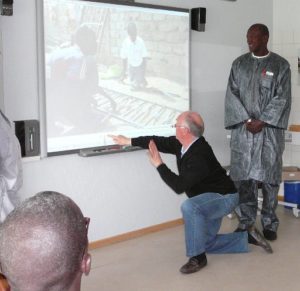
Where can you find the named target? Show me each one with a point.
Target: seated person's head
(86, 39)
(43, 244)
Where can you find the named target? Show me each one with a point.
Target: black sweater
(199, 170)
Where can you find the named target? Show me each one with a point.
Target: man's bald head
(194, 122)
(42, 243)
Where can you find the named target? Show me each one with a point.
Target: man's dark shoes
(270, 234)
(194, 265)
(251, 240)
(257, 239)
(240, 229)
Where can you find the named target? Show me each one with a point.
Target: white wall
(1, 69)
(286, 38)
(122, 192)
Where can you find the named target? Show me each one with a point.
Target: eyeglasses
(87, 224)
(178, 126)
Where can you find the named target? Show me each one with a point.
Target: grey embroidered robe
(258, 88)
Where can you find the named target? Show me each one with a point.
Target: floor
(152, 262)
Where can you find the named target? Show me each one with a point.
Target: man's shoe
(238, 229)
(193, 265)
(251, 240)
(270, 234)
(258, 239)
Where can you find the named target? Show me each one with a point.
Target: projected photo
(113, 69)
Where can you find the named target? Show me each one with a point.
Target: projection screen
(113, 68)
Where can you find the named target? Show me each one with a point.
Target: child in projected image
(134, 55)
(77, 63)
(74, 83)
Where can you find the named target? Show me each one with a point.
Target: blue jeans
(202, 215)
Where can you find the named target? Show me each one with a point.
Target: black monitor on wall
(113, 67)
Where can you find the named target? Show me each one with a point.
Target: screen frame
(142, 5)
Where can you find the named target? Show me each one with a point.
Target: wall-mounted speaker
(6, 7)
(198, 18)
(28, 134)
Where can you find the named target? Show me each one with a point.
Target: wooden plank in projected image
(134, 111)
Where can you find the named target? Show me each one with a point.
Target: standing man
(11, 174)
(212, 194)
(257, 108)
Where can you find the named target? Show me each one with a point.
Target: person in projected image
(76, 63)
(74, 82)
(211, 193)
(44, 244)
(134, 55)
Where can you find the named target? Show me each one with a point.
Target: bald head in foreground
(211, 193)
(43, 244)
